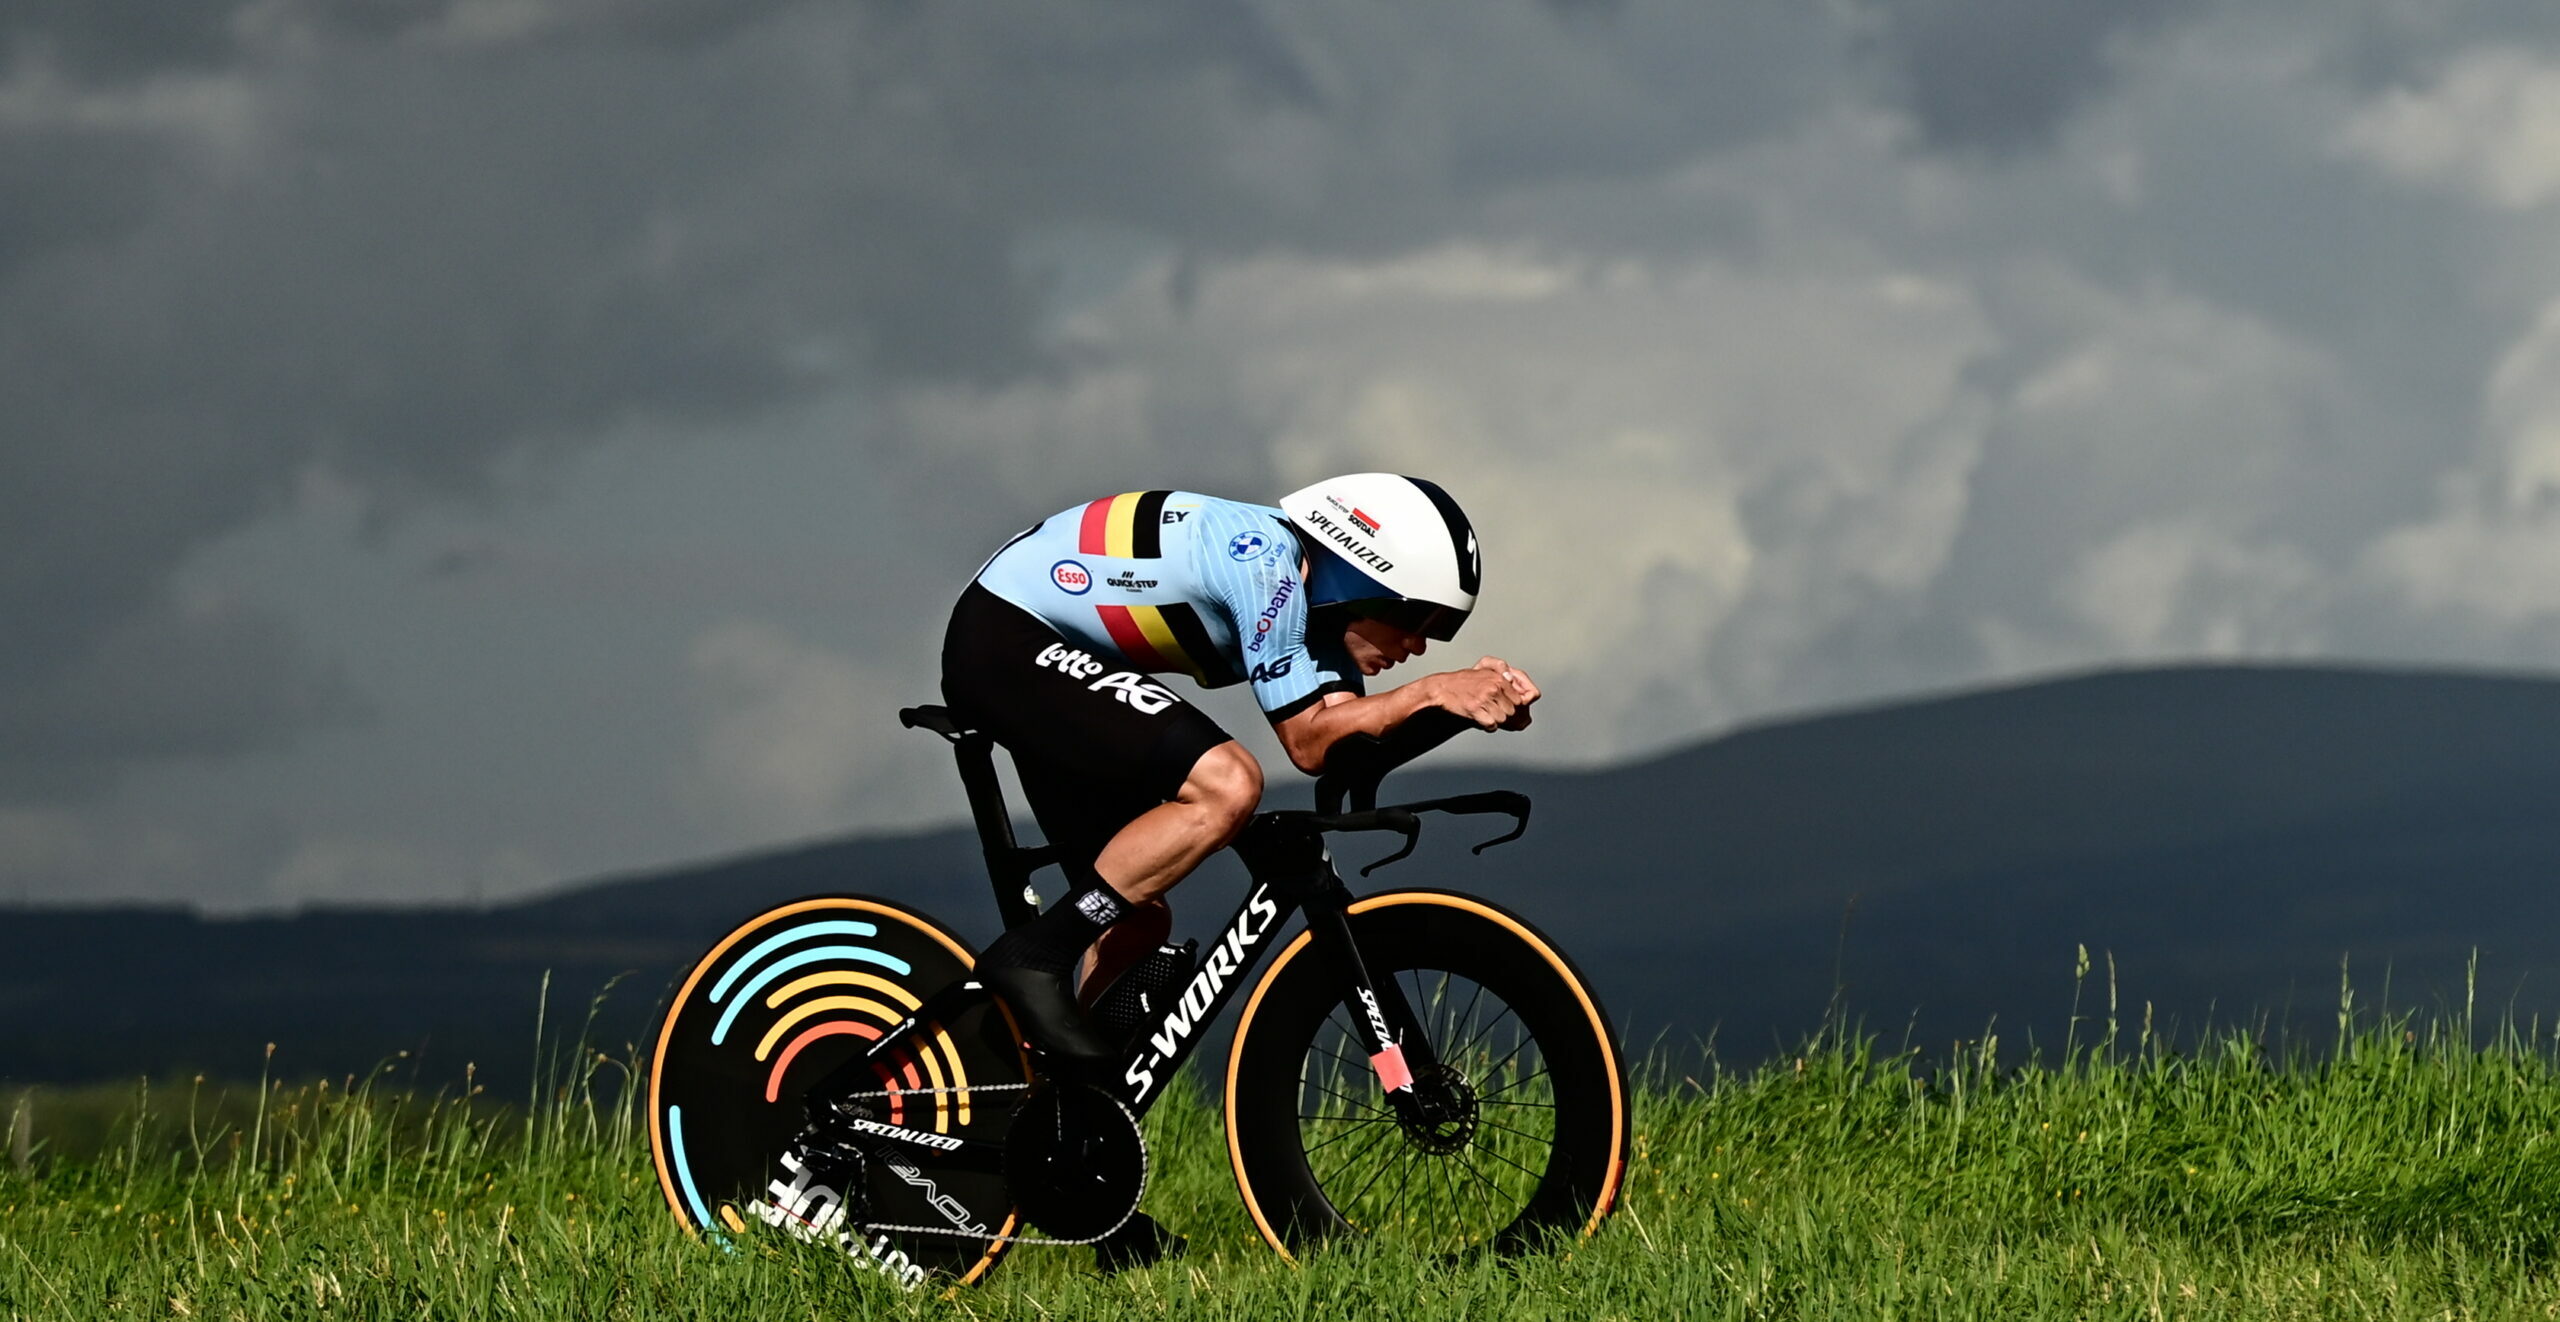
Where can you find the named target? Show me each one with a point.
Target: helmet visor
(1430, 619)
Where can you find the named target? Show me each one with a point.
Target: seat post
(1009, 864)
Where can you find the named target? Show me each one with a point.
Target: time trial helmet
(1388, 547)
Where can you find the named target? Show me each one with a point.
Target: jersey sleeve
(1249, 570)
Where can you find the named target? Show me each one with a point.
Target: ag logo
(1271, 670)
(1247, 545)
(1072, 578)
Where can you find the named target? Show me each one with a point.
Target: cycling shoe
(1045, 1009)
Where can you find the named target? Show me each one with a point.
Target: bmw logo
(1247, 545)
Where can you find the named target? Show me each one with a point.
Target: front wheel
(1526, 1130)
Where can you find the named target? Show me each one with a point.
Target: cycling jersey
(1173, 582)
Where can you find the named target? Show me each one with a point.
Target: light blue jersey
(1179, 583)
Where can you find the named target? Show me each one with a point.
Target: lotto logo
(1069, 662)
(1133, 689)
(1127, 685)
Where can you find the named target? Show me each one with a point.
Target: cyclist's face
(1375, 644)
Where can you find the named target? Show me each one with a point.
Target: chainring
(1075, 1161)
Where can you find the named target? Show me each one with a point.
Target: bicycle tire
(1295, 1091)
(770, 1009)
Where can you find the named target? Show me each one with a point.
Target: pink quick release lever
(1390, 1066)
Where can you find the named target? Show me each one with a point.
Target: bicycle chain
(954, 1232)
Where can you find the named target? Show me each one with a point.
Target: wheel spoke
(1548, 1141)
(1468, 1164)
(1348, 1066)
(1489, 1027)
(1347, 1133)
(1510, 1163)
(1463, 1016)
(1517, 1048)
(1383, 1167)
(1522, 1081)
(1354, 1158)
(1355, 1103)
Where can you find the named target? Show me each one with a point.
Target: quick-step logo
(1261, 914)
(808, 1210)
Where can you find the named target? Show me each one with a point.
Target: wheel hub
(1442, 1116)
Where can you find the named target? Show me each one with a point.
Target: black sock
(1054, 941)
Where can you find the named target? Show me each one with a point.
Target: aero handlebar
(1405, 819)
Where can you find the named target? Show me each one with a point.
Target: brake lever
(1519, 828)
(1411, 829)
(1509, 803)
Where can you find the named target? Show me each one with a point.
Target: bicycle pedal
(1140, 996)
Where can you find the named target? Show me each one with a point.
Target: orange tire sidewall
(1564, 970)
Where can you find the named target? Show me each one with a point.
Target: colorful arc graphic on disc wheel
(784, 1000)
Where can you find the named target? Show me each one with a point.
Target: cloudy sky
(449, 448)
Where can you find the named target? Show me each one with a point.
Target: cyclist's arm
(1489, 693)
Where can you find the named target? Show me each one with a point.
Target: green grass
(2409, 1171)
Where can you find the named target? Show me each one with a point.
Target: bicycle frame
(1290, 870)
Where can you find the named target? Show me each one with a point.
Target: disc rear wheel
(778, 1004)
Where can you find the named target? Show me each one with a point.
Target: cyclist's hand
(1524, 690)
(1481, 695)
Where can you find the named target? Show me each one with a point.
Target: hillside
(2227, 833)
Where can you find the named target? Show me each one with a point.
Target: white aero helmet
(1388, 547)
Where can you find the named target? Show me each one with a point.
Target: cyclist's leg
(1098, 749)
(1161, 846)
(1138, 847)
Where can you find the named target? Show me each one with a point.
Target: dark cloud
(402, 242)
(409, 243)
(1999, 75)
(169, 682)
(120, 38)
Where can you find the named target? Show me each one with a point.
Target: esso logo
(1072, 578)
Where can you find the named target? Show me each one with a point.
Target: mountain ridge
(2228, 832)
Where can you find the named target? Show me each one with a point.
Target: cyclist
(1052, 649)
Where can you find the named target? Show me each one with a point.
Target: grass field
(2407, 1170)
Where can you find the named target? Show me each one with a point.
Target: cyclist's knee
(1228, 782)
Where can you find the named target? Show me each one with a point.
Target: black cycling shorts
(1095, 741)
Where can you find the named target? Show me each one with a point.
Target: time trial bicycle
(1417, 1065)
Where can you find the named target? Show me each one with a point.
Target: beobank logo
(1072, 578)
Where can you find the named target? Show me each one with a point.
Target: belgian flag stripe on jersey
(1207, 665)
(1146, 526)
(1093, 534)
(1129, 526)
(1160, 639)
(1131, 638)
